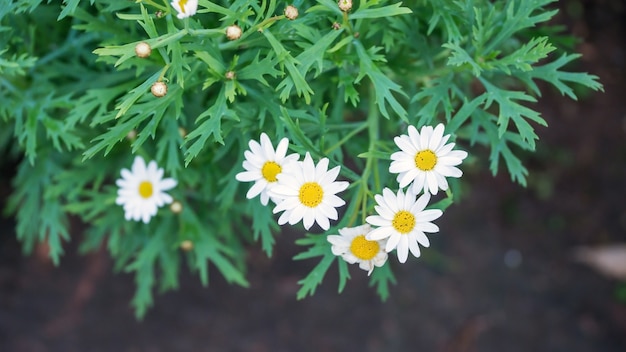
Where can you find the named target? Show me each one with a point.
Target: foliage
(75, 102)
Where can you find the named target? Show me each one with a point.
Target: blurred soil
(498, 277)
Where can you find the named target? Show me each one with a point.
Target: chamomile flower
(185, 8)
(425, 159)
(402, 220)
(141, 190)
(308, 193)
(353, 247)
(263, 164)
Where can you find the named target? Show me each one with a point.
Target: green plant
(339, 80)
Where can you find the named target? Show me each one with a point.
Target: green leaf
(302, 87)
(385, 11)
(442, 91)
(262, 224)
(315, 277)
(510, 109)
(383, 85)
(459, 57)
(523, 58)
(210, 127)
(552, 74)
(381, 278)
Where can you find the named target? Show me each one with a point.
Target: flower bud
(182, 132)
(345, 5)
(132, 134)
(291, 12)
(233, 32)
(229, 75)
(159, 89)
(143, 50)
(186, 245)
(176, 207)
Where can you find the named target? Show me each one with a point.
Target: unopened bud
(233, 32)
(132, 134)
(143, 50)
(291, 12)
(186, 245)
(336, 26)
(230, 75)
(345, 5)
(176, 207)
(182, 132)
(159, 89)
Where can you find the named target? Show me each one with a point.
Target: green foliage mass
(75, 107)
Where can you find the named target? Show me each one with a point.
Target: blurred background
(541, 268)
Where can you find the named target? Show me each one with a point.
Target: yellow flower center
(270, 170)
(403, 222)
(425, 160)
(145, 189)
(311, 194)
(364, 249)
(182, 4)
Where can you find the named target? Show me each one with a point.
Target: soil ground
(499, 276)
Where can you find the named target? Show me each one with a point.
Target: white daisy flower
(141, 190)
(425, 159)
(403, 221)
(353, 247)
(263, 164)
(308, 193)
(185, 8)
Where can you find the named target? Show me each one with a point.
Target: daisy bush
(183, 134)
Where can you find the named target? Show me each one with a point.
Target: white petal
(379, 233)
(322, 220)
(431, 180)
(413, 247)
(377, 221)
(428, 215)
(435, 138)
(421, 203)
(422, 239)
(393, 242)
(403, 249)
(281, 149)
(321, 169)
(334, 201)
(256, 189)
(167, 183)
(405, 145)
(308, 219)
(427, 227)
(247, 176)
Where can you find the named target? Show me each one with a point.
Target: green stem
(346, 138)
(154, 4)
(373, 133)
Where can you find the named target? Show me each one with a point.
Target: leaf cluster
(75, 101)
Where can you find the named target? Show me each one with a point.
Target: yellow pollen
(311, 194)
(182, 4)
(403, 222)
(270, 170)
(364, 249)
(425, 160)
(145, 189)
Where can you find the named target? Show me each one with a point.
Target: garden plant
(184, 133)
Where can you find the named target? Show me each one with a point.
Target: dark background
(500, 275)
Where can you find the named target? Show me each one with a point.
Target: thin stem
(373, 132)
(346, 138)
(154, 4)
